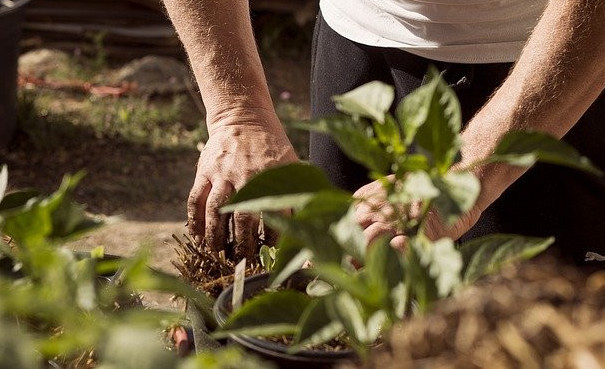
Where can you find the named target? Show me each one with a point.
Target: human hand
(240, 145)
(378, 218)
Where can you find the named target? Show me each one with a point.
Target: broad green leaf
(316, 325)
(17, 350)
(444, 263)
(291, 257)
(487, 254)
(3, 181)
(458, 193)
(356, 141)
(349, 235)
(413, 111)
(319, 288)
(383, 268)
(419, 187)
(306, 235)
(270, 203)
(371, 100)
(342, 280)
(375, 325)
(524, 148)
(291, 179)
(135, 348)
(411, 163)
(225, 358)
(388, 134)
(267, 257)
(350, 313)
(432, 116)
(272, 313)
(399, 299)
(17, 199)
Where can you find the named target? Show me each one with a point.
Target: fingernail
(198, 239)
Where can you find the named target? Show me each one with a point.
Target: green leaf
(349, 235)
(3, 181)
(17, 199)
(225, 358)
(384, 269)
(488, 254)
(136, 348)
(419, 187)
(524, 148)
(291, 257)
(342, 280)
(388, 134)
(317, 325)
(432, 116)
(319, 288)
(458, 193)
(356, 141)
(272, 313)
(267, 257)
(375, 325)
(350, 313)
(292, 179)
(98, 252)
(270, 203)
(371, 100)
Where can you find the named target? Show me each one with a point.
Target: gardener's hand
(376, 217)
(241, 144)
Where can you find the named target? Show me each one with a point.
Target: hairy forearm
(558, 76)
(218, 38)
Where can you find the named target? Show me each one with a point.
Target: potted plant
(358, 291)
(11, 17)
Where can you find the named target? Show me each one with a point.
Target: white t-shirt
(459, 31)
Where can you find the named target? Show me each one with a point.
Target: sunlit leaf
(388, 134)
(135, 348)
(523, 148)
(432, 116)
(319, 288)
(317, 325)
(349, 235)
(488, 254)
(419, 186)
(356, 141)
(295, 180)
(350, 313)
(458, 193)
(274, 313)
(371, 100)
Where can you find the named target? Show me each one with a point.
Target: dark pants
(547, 201)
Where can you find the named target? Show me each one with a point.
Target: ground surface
(139, 152)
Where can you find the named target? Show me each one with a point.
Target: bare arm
(559, 74)
(245, 133)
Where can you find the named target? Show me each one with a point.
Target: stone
(41, 62)
(156, 75)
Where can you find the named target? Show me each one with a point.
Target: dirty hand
(239, 147)
(376, 217)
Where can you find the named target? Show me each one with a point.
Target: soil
(542, 314)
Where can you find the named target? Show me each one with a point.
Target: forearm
(218, 37)
(558, 76)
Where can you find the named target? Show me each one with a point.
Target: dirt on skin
(542, 314)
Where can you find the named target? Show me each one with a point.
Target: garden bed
(545, 313)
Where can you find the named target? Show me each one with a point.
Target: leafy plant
(64, 308)
(412, 154)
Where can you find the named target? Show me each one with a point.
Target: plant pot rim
(267, 347)
(5, 10)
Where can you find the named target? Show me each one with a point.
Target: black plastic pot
(10, 35)
(272, 351)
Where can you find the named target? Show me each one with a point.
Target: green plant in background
(60, 307)
(365, 302)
